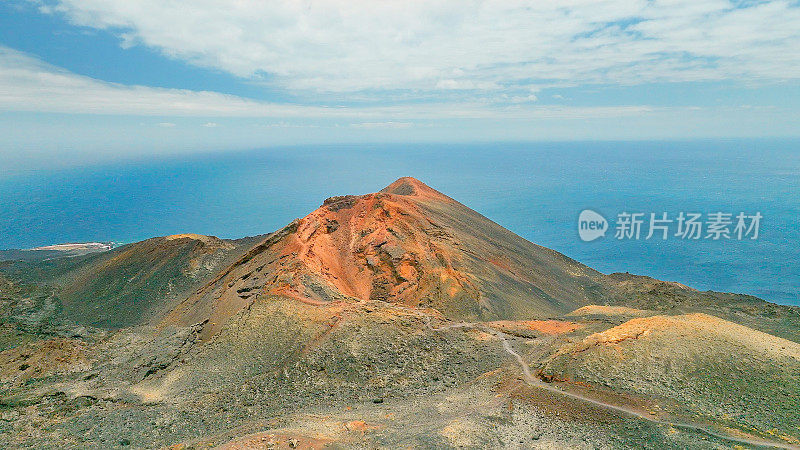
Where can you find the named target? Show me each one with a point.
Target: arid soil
(399, 319)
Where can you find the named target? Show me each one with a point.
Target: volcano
(396, 319)
(407, 244)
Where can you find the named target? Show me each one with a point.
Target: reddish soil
(551, 327)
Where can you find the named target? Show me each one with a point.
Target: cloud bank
(429, 48)
(28, 84)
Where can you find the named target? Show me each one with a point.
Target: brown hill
(407, 244)
(336, 328)
(132, 284)
(727, 373)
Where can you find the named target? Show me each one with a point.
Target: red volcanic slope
(407, 244)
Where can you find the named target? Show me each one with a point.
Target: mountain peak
(412, 187)
(407, 244)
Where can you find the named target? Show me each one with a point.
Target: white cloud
(349, 46)
(27, 84)
(389, 125)
(210, 124)
(285, 124)
(521, 98)
(166, 125)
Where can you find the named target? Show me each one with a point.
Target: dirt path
(534, 381)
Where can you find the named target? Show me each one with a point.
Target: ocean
(536, 190)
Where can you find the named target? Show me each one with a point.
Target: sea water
(536, 190)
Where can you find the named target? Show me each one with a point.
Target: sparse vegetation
(344, 329)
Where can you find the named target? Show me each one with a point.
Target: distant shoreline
(69, 249)
(77, 246)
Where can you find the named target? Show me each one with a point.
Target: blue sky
(97, 79)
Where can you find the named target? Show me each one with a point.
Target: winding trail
(534, 381)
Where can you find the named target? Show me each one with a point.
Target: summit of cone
(407, 244)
